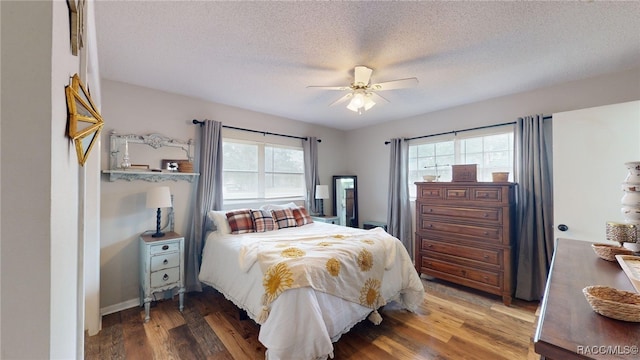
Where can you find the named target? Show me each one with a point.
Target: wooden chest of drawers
(464, 234)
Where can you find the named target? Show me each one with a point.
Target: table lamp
(322, 192)
(158, 197)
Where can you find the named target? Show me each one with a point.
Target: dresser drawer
(493, 195)
(488, 256)
(165, 277)
(487, 234)
(485, 277)
(492, 215)
(430, 193)
(165, 261)
(164, 248)
(457, 193)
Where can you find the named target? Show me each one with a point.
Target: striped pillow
(240, 221)
(262, 220)
(283, 218)
(302, 216)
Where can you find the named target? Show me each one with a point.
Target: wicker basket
(185, 167)
(613, 303)
(609, 252)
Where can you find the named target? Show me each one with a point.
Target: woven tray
(608, 252)
(613, 303)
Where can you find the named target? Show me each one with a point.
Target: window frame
(240, 137)
(457, 138)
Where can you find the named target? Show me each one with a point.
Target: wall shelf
(119, 171)
(150, 176)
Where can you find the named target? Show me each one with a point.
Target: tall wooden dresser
(465, 234)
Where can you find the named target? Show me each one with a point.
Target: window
(256, 170)
(491, 149)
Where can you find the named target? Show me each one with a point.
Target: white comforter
(303, 323)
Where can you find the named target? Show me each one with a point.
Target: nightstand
(326, 219)
(161, 267)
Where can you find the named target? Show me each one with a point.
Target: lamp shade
(322, 191)
(159, 197)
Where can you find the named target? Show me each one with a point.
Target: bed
(303, 322)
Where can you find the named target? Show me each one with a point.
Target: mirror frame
(85, 122)
(355, 221)
(85, 141)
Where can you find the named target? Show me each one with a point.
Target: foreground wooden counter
(568, 328)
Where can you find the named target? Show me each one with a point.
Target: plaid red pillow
(240, 221)
(283, 218)
(262, 220)
(302, 216)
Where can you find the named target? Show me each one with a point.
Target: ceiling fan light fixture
(360, 102)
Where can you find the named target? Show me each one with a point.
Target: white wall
(39, 185)
(587, 188)
(130, 109)
(370, 156)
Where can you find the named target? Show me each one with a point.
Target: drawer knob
(165, 247)
(485, 277)
(486, 215)
(430, 210)
(165, 262)
(430, 245)
(165, 277)
(430, 225)
(486, 256)
(486, 233)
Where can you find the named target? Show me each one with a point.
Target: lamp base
(158, 232)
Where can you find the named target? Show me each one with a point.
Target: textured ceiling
(262, 55)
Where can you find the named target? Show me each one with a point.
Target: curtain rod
(264, 133)
(547, 117)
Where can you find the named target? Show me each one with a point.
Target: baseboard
(119, 306)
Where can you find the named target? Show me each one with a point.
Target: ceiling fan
(362, 93)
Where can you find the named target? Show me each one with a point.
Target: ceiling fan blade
(341, 88)
(377, 97)
(342, 99)
(362, 75)
(395, 84)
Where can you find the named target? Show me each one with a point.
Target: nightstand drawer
(165, 261)
(165, 277)
(164, 248)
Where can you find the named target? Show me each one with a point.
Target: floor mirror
(345, 199)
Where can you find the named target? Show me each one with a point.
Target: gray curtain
(399, 213)
(209, 198)
(534, 214)
(311, 177)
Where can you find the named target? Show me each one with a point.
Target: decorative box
(464, 173)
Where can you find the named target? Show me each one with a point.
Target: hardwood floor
(452, 323)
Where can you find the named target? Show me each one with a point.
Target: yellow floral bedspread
(347, 266)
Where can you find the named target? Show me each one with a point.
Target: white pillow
(219, 219)
(270, 207)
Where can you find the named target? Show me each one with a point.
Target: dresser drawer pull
(166, 261)
(486, 278)
(430, 210)
(486, 215)
(486, 257)
(165, 277)
(486, 233)
(430, 245)
(430, 225)
(165, 247)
